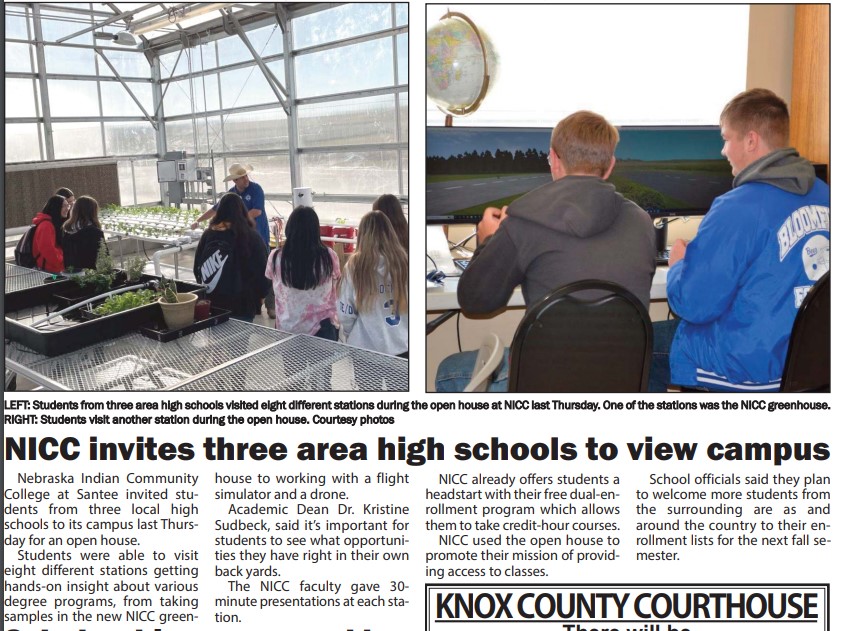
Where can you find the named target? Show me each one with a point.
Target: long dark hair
(53, 208)
(392, 208)
(65, 192)
(231, 210)
(304, 262)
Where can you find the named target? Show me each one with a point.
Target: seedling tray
(26, 307)
(157, 330)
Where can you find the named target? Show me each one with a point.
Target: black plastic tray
(157, 330)
(71, 338)
(72, 293)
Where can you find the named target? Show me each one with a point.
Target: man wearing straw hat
(253, 196)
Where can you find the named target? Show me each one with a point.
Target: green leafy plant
(124, 301)
(135, 268)
(101, 277)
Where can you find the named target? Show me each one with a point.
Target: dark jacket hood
(578, 205)
(783, 168)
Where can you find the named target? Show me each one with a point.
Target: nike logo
(212, 270)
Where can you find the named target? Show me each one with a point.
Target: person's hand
(195, 225)
(490, 222)
(677, 252)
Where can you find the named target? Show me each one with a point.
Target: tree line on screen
(528, 161)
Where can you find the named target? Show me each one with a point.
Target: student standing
(82, 235)
(252, 195)
(373, 301)
(304, 273)
(392, 208)
(231, 258)
(47, 240)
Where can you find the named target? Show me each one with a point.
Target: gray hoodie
(783, 168)
(575, 228)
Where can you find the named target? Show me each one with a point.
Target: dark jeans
(663, 332)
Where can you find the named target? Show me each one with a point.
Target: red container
(202, 308)
(325, 231)
(345, 232)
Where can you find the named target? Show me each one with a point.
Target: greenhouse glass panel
(18, 57)
(117, 102)
(267, 40)
(244, 87)
(351, 172)
(346, 68)
(128, 138)
(73, 98)
(404, 158)
(402, 58)
(273, 173)
(177, 99)
(127, 63)
(22, 142)
(231, 50)
(180, 135)
(125, 183)
(403, 100)
(77, 140)
(71, 61)
(16, 23)
(147, 181)
(20, 98)
(368, 120)
(264, 129)
(58, 24)
(340, 23)
(402, 13)
(207, 57)
(167, 61)
(211, 102)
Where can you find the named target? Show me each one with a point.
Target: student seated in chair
(737, 286)
(576, 227)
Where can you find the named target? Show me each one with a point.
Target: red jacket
(48, 255)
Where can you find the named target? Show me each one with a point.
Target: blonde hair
(760, 110)
(585, 143)
(377, 239)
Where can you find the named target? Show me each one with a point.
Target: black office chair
(808, 364)
(598, 341)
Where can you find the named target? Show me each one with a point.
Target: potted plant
(177, 308)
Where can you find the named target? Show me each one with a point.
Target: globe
(461, 65)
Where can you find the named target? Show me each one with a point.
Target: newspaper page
(376, 511)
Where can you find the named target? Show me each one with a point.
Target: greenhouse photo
(206, 196)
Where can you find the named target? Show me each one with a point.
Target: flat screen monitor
(668, 170)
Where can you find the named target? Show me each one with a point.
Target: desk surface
(233, 356)
(445, 298)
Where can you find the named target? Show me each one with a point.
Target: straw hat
(238, 170)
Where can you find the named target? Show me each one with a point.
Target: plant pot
(179, 314)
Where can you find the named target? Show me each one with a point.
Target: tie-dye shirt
(301, 310)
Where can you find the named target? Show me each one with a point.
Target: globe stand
(448, 121)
